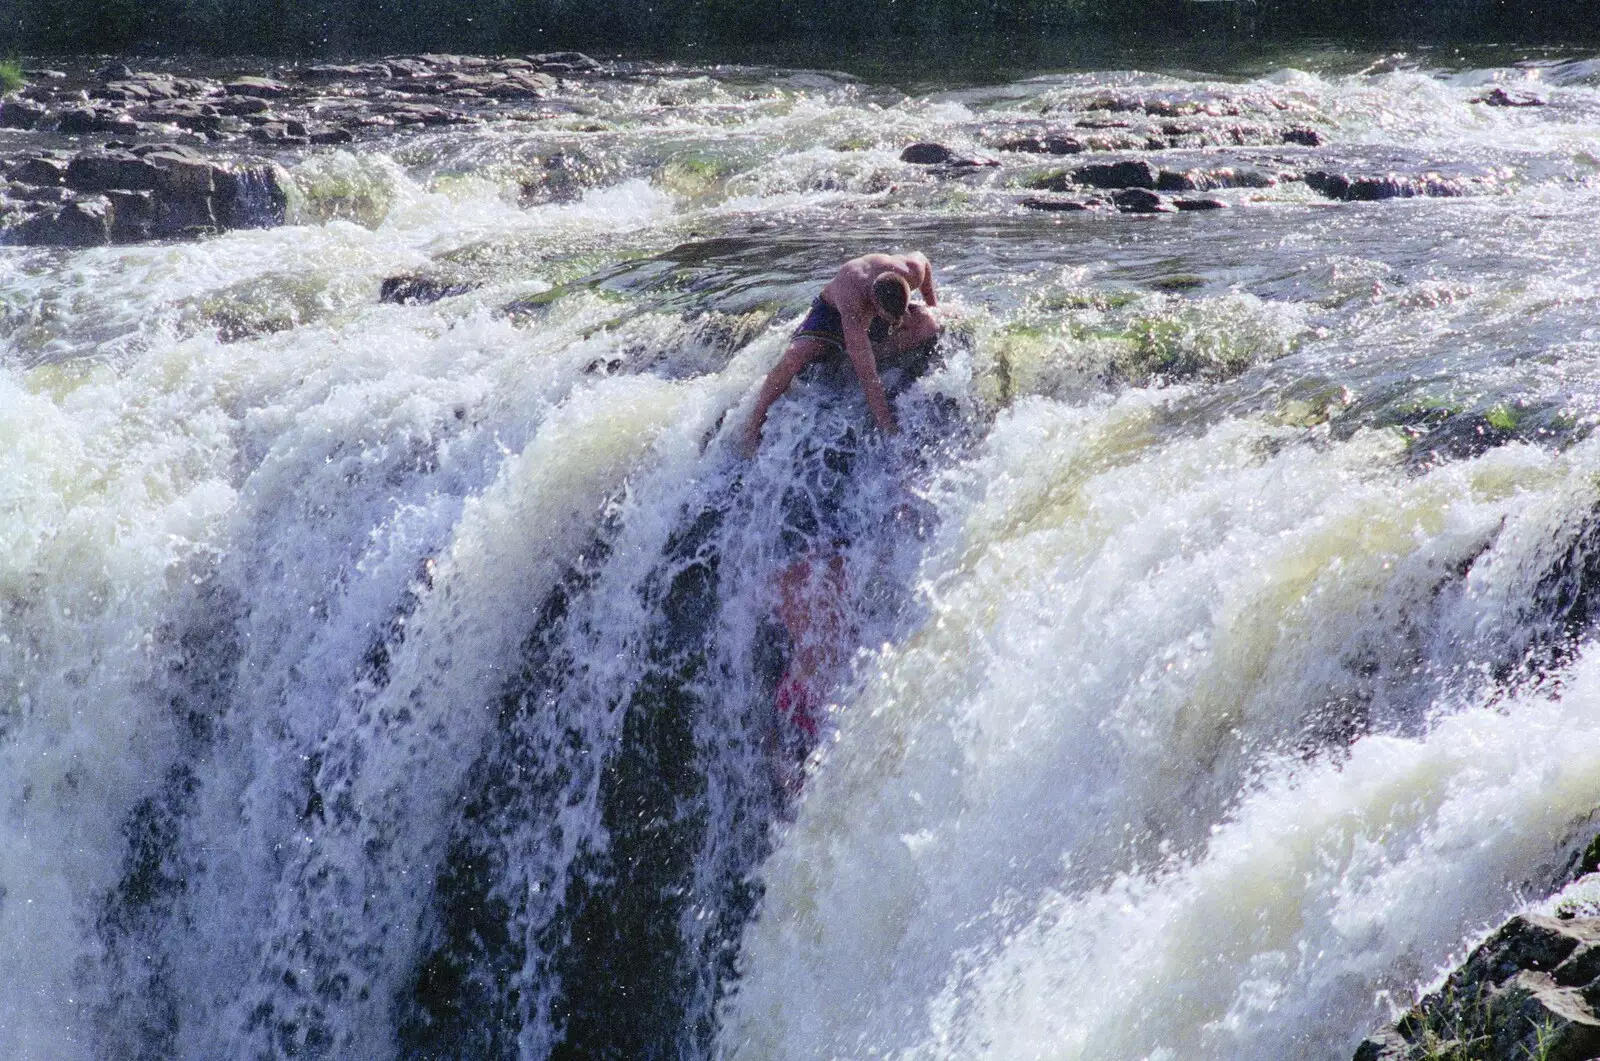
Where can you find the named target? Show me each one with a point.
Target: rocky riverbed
(118, 155)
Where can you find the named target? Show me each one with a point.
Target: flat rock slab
(1346, 188)
(257, 86)
(929, 154)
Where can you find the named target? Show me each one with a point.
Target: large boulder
(1133, 173)
(185, 113)
(1140, 201)
(184, 187)
(77, 121)
(523, 83)
(42, 172)
(1389, 186)
(110, 169)
(21, 114)
(81, 223)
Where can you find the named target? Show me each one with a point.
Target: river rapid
(395, 681)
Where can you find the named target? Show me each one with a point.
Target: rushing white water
(1212, 655)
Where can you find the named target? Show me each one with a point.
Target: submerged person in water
(864, 314)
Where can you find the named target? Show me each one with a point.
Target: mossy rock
(343, 188)
(693, 174)
(261, 306)
(1178, 282)
(1311, 402)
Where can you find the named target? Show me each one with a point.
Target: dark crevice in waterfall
(1560, 610)
(622, 979)
(1398, 680)
(629, 972)
(463, 1002)
(140, 1018)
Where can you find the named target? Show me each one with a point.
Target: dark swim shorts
(824, 324)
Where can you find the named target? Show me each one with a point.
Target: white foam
(1121, 631)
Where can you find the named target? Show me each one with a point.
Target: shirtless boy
(865, 314)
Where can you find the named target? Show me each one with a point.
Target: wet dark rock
(331, 136)
(1303, 137)
(78, 121)
(1527, 991)
(1128, 174)
(927, 154)
(237, 106)
(114, 72)
(1140, 201)
(110, 169)
(48, 194)
(1115, 104)
(133, 215)
(1199, 204)
(181, 174)
(403, 67)
(1332, 185)
(187, 114)
(445, 61)
(564, 62)
(425, 114)
(38, 171)
(251, 196)
(119, 124)
(80, 223)
(1204, 180)
(279, 134)
(1386, 1045)
(184, 189)
(21, 114)
(1499, 97)
(1039, 202)
(121, 91)
(417, 290)
(1390, 186)
(1042, 145)
(256, 86)
(523, 83)
(344, 72)
(183, 150)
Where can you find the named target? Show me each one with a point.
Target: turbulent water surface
(399, 681)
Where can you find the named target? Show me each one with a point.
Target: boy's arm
(928, 294)
(783, 373)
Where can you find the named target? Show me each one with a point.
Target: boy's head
(892, 294)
